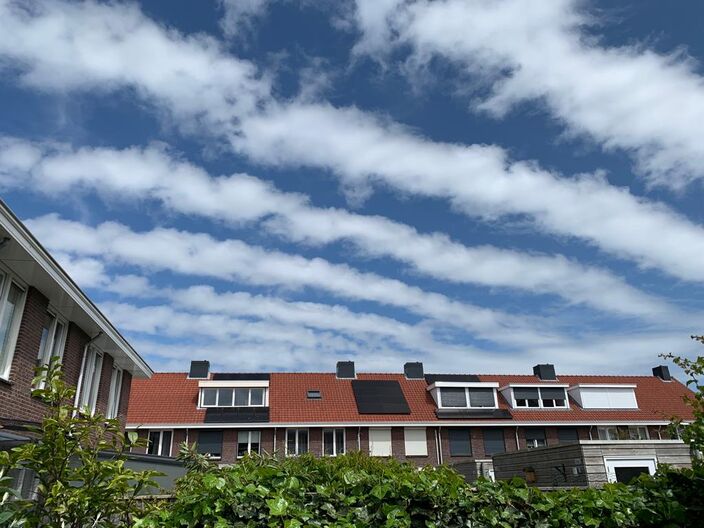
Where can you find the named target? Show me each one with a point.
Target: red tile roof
(171, 398)
(166, 398)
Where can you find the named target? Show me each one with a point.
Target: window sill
(6, 381)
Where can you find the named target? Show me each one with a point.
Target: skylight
(314, 395)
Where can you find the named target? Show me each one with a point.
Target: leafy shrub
(356, 490)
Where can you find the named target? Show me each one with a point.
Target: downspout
(275, 440)
(590, 432)
(659, 432)
(438, 451)
(359, 439)
(79, 385)
(518, 446)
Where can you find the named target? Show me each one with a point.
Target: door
(626, 469)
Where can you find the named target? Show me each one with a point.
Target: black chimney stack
(345, 370)
(662, 372)
(545, 372)
(413, 370)
(199, 369)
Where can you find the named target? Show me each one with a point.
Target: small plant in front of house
(74, 485)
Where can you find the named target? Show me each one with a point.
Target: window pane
(460, 442)
(339, 441)
(257, 397)
(45, 342)
(241, 397)
(209, 396)
(328, 439)
(567, 435)
(552, 393)
(302, 441)
(210, 442)
(224, 397)
(153, 447)
(535, 437)
(254, 441)
(494, 441)
(57, 345)
(481, 397)
(453, 397)
(291, 441)
(166, 443)
(6, 323)
(525, 393)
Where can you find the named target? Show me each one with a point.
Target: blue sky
(270, 184)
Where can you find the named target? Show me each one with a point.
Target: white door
(624, 469)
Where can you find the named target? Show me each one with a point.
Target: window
(296, 441)
(567, 435)
(460, 442)
(380, 442)
(229, 397)
(333, 442)
(159, 443)
(52, 342)
(115, 391)
(623, 433)
(540, 397)
(210, 443)
(494, 441)
(12, 301)
(314, 395)
(463, 397)
(605, 397)
(90, 379)
(248, 442)
(535, 438)
(416, 441)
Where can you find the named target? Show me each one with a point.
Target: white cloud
(153, 173)
(240, 15)
(201, 255)
(66, 46)
(480, 181)
(624, 97)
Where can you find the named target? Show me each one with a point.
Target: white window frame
(265, 398)
(514, 402)
(611, 463)
(297, 431)
(390, 442)
(8, 354)
(335, 450)
(160, 450)
(533, 443)
(414, 442)
(607, 428)
(249, 441)
(96, 356)
(47, 349)
(115, 392)
(467, 399)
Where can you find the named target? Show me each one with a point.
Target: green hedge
(356, 490)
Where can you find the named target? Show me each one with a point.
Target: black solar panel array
(379, 397)
(236, 415)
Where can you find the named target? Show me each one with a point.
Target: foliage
(693, 433)
(76, 487)
(356, 490)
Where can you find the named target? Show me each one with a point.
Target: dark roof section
(232, 376)
(379, 397)
(236, 415)
(472, 413)
(432, 378)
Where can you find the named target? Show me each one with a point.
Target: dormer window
(466, 397)
(237, 396)
(536, 396)
(604, 396)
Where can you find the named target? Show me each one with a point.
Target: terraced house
(456, 419)
(44, 314)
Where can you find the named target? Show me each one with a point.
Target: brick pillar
(124, 397)
(398, 445)
(229, 446)
(315, 441)
(267, 441)
(101, 405)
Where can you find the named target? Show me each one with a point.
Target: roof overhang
(28, 259)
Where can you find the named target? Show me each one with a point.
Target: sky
(282, 184)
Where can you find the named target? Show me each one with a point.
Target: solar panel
(379, 397)
(236, 415)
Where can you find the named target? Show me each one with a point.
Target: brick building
(44, 314)
(461, 420)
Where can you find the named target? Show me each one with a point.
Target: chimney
(545, 372)
(345, 370)
(413, 370)
(662, 372)
(199, 369)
